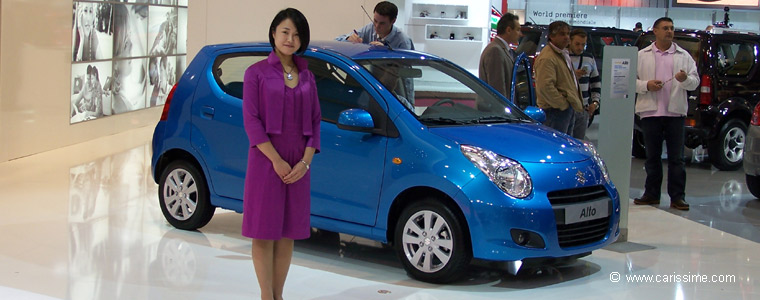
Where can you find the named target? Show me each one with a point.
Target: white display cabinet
(454, 33)
(431, 23)
(427, 13)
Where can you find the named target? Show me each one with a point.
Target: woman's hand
(282, 168)
(296, 173)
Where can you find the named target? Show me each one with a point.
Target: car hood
(521, 142)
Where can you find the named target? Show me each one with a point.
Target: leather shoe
(646, 200)
(679, 204)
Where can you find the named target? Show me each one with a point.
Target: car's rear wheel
(638, 150)
(431, 243)
(183, 196)
(753, 184)
(727, 150)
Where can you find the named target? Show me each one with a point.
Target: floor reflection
(718, 199)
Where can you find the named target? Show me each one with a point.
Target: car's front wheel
(727, 150)
(430, 241)
(183, 196)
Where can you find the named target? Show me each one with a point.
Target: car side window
(230, 69)
(339, 91)
(736, 58)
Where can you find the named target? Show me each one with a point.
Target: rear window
(736, 58)
(230, 69)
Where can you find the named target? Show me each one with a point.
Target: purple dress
(288, 118)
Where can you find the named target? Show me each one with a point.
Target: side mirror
(535, 113)
(356, 119)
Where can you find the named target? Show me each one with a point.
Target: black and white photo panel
(129, 84)
(130, 30)
(91, 31)
(181, 65)
(182, 31)
(163, 2)
(162, 30)
(162, 76)
(89, 97)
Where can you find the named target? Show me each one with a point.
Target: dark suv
(721, 108)
(535, 38)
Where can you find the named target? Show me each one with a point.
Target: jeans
(580, 124)
(561, 120)
(671, 130)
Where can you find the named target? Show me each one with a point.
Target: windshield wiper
(497, 119)
(443, 120)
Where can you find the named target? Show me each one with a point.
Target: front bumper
(494, 216)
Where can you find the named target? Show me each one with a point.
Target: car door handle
(692, 98)
(207, 112)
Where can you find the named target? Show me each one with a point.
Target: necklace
(290, 76)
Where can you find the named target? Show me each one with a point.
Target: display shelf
(453, 33)
(441, 12)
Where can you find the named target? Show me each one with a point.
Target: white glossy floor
(83, 222)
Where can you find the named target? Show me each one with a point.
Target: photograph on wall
(126, 55)
(129, 84)
(182, 31)
(162, 76)
(130, 26)
(181, 65)
(91, 31)
(163, 2)
(162, 31)
(89, 98)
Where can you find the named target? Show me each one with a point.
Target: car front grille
(581, 233)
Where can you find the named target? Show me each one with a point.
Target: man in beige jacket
(556, 86)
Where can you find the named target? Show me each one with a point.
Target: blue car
(416, 152)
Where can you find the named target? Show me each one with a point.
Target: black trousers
(670, 130)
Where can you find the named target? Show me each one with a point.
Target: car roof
(354, 51)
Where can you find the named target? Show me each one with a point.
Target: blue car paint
(431, 159)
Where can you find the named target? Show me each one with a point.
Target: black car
(535, 38)
(720, 109)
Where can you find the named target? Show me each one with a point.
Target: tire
(439, 257)
(753, 184)
(727, 150)
(638, 150)
(183, 196)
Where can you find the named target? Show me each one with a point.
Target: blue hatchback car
(416, 152)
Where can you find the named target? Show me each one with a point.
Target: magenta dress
(288, 118)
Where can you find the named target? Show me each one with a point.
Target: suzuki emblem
(580, 178)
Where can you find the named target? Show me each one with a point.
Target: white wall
(35, 77)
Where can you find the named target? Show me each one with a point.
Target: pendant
(290, 77)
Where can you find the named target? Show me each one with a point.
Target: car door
(523, 92)
(218, 133)
(346, 176)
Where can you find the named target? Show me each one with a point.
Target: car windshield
(438, 93)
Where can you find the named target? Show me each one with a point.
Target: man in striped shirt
(589, 81)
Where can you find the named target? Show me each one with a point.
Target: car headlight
(507, 174)
(598, 160)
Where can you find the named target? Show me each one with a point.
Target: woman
(281, 116)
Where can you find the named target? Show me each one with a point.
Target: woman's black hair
(302, 26)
